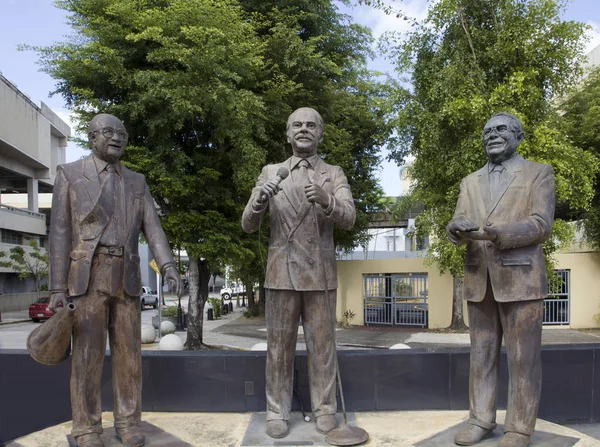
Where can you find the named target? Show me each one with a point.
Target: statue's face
(108, 138)
(304, 133)
(500, 140)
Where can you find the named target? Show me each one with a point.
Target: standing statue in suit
(301, 269)
(505, 283)
(99, 208)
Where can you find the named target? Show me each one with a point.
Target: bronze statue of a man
(505, 283)
(301, 272)
(99, 208)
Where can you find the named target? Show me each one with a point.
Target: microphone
(282, 174)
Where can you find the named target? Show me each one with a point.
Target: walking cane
(346, 434)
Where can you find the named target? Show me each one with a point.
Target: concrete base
(385, 428)
(301, 432)
(539, 439)
(155, 437)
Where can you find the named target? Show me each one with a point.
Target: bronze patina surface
(99, 208)
(303, 208)
(504, 213)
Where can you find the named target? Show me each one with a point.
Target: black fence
(36, 396)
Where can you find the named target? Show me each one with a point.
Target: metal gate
(396, 299)
(556, 306)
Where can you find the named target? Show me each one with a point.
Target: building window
(11, 237)
(43, 242)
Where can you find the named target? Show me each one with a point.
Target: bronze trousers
(520, 323)
(106, 307)
(283, 311)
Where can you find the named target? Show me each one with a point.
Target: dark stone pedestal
(301, 432)
(155, 437)
(539, 439)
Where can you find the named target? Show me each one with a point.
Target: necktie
(303, 173)
(107, 194)
(496, 182)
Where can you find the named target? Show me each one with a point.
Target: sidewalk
(234, 331)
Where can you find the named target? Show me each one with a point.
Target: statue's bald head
(107, 137)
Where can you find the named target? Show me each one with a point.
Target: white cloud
(380, 22)
(593, 35)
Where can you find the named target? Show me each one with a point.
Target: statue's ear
(520, 137)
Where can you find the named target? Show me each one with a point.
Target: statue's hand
(57, 300)
(269, 189)
(316, 194)
(460, 225)
(171, 274)
(493, 232)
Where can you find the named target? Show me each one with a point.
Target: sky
(39, 23)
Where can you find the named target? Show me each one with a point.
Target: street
(14, 336)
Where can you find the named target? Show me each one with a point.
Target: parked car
(148, 298)
(39, 310)
(227, 292)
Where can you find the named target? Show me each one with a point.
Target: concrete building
(33, 140)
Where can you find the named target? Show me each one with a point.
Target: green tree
(204, 88)
(582, 119)
(469, 60)
(28, 263)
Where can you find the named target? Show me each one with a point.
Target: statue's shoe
(512, 439)
(472, 434)
(89, 440)
(131, 437)
(277, 428)
(326, 423)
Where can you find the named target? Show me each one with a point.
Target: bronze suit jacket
(294, 262)
(77, 224)
(523, 214)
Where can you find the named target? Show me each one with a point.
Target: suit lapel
(321, 175)
(320, 178)
(513, 171)
(92, 182)
(484, 187)
(289, 189)
(129, 197)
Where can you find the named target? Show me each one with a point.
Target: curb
(14, 321)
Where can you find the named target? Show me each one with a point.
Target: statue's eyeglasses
(501, 130)
(109, 132)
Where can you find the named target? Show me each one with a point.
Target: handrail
(22, 211)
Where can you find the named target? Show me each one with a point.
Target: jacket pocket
(77, 255)
(516, 261)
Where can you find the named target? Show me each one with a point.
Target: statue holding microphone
(305, 198)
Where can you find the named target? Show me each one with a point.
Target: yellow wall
(585, 286)
(351, 287)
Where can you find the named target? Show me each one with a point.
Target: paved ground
(235, 331)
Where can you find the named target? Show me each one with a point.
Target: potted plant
(168, 313)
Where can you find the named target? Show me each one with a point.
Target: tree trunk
(37, 285)
(262, 296)
(199, 279)
(458, 322)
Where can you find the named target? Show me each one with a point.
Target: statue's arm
(341, 207)
(254, 209)
(460, 220)
(537, 227)
(152, 229)
(59, 251)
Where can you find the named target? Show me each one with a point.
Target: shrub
(169, 311)
(253, 311)
(216, 305)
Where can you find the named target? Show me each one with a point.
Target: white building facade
(33, 142)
